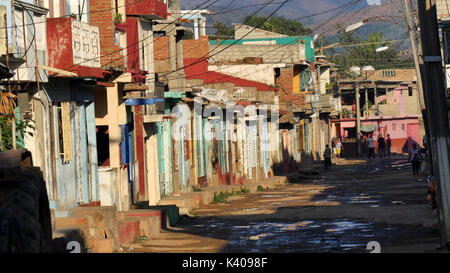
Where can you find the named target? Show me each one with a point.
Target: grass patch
(141, 239)
(221, 197)
(194, 213)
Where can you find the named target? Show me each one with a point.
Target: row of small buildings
(127, 111)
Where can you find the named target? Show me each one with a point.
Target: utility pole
(358, 120)
(414, 50)
(437, 111)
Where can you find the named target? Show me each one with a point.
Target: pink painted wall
(403, 131)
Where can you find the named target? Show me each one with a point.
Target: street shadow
(336, 219)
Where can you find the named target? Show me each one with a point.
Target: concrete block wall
(270, 53)
(264, 73)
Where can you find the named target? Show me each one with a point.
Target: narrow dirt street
(340, 210)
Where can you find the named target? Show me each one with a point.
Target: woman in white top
(371, 146)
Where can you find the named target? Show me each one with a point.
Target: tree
(278, 25)
(21, 129)
(7, 108)
(357, 52)
(274, 24)
(223, 32)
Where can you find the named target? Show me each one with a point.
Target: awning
(142, 101)
(369, 128)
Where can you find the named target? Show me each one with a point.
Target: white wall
(264, 73)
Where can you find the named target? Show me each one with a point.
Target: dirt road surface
(340, 210)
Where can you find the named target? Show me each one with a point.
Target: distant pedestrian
(333, 147)
(425, 145)
(371, 145)
(338, 148)
(327, 157)
(381, 146)
(388, 145)
(415, 157)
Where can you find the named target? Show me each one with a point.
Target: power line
(68, 16)
(139, 41)
(208, 54)
(200, 59)
(343, 6)
(196, 62)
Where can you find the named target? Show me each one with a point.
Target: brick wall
(196, 48)
(101, 15)
(161, 48)
(192, 49)
(285, 80)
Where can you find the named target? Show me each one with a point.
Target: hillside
(229, 11)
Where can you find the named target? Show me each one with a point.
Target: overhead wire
(135, 43)
(287, 44)
(209, 52)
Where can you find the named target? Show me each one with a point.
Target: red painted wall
(59, 43)
(147, 7)
(132, 43)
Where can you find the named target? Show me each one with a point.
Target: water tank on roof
(355, 69)
(367, 68)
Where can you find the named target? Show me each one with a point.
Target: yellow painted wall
(296, 80)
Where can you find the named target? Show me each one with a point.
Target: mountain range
(321, 16)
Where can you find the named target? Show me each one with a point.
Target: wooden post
(358, 120)
(366, 97)
(375, 99)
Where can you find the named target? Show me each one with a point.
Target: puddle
(274, 195)
(362, 201)
(251, 209)
(313, 236)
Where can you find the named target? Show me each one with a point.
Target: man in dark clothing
(327, 157)
(381, 146)
(388, 145)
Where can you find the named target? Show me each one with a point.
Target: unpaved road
(341, 210)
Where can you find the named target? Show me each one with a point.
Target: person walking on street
(388, 145)
(371, 143)
(339, 148)
(414, 158)
(381, 146)
(327, 157)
